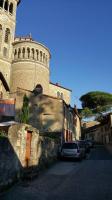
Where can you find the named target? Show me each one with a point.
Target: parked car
(71, 150)
(90, 142)
(87, 146)
(83, 147)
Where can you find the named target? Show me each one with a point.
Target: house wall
(53, 89)
(46, 113)
(77, 128)
(69, 125)
(101, 133)
(50, 114)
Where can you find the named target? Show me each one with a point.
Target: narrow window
(44, 58)
(11, 8)
(37, 53)
(7, 35)
(19, 53)
(58, 94)
(1, 3)
(28, 51)
(23, 52)
(33, 53)
(15, 54)
(6, 5)
(40, 56)
(61, 95)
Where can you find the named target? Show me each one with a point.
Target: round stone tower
(30, 66)
(7, 32)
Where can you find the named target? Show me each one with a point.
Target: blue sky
(79, 36)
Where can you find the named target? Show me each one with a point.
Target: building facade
(24, 63)
(7, 33)
(25, 69)
(101, 132)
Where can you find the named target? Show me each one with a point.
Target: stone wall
(22, 155)
(7, 22)
(10, 166)
(30, 65)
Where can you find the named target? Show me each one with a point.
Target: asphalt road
(90, 179)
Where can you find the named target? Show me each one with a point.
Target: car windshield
(70, 146)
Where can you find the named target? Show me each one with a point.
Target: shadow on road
(100, 152)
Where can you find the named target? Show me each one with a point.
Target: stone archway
(38, 89)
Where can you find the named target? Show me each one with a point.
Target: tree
(97, 101)
(24, 116)
(86, 112)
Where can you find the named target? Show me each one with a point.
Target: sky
(78, 34)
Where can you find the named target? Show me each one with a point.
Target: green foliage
(2, 134)
(24, 116)
(86, 112)
(101, 101)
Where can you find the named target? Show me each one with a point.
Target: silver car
(70, 150)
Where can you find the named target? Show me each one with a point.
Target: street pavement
(90, 179)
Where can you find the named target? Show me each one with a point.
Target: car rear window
(70, 146)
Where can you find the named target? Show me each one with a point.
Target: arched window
(40, 56)
(37, 54)
(58, 94)
(1, 3)
(38, 89)
(7, 35)
(23, 52)
(19, 53)
(61, 95)
(44, 58)
(32, 51)
(11, 8)
(28, 52)
(15, 53)
(6, 5)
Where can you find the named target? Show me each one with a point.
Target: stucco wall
(46, 113)
(13, 163)
(53, 89)
(78, 127)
